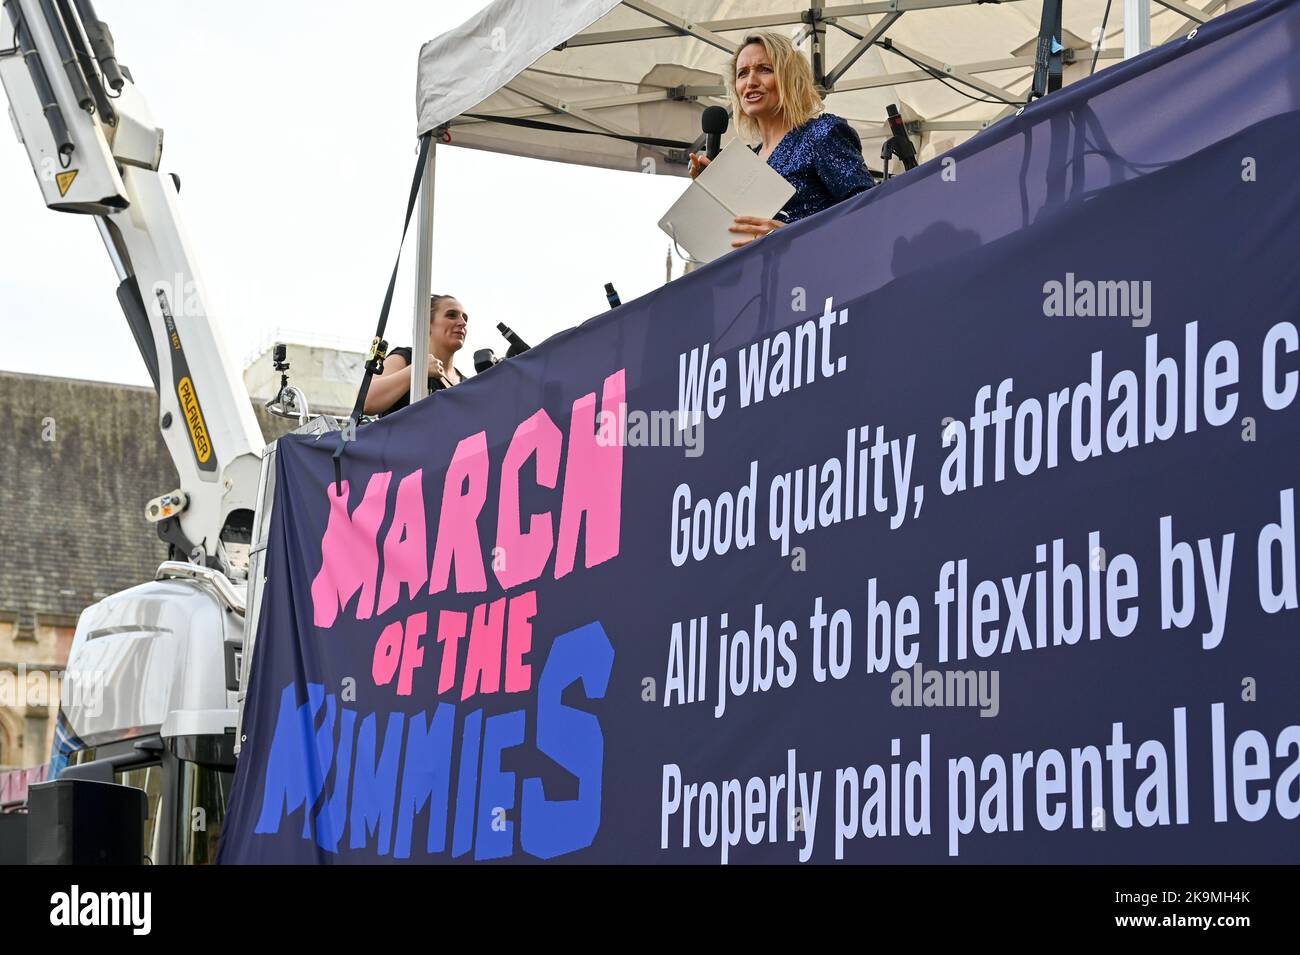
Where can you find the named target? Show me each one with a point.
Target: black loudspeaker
(82, 822)
(13, 838)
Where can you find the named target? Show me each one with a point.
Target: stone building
(78, 462)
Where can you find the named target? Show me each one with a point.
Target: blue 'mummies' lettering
(462, 838)
(374, 783)
(293, 779)
(497, 788)
(303, 757)
(334, 813)
(573, 739)
(426, 777)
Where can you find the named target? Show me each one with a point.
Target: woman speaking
(774, 100)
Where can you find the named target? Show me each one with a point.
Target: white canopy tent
(622, 85)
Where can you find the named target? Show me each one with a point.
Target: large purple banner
(954, 524)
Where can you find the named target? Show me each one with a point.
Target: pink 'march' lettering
(349, 555)
(463, 495)
(406, 553)
(525, 553)
(593, 482)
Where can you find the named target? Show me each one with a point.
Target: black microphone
(903, 147)
(517, 345)
(484, 359)
(713, 122)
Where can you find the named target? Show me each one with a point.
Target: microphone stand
(886, 155)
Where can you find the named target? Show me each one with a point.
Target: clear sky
(292, 127)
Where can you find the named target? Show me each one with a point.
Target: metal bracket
(375, 360)
(217, 581)
(179, 546)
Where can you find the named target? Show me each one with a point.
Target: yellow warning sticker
(194, 418)
(64, 179)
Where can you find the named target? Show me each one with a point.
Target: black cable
(13, 50)
(1100, 39)
(977, 99)
(939, 76)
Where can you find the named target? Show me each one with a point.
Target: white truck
(152, 682)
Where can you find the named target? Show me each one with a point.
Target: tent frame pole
(1137, 27)
(675, 26)
(423, 280)
(1206, 12)
(864, 44)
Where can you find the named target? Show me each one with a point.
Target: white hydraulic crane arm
(95, 150)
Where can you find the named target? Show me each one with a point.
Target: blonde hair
(797, 97)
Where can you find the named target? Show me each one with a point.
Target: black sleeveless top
(435, 383)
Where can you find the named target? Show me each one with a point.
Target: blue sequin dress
(822, 159)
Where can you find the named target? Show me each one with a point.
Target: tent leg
(1137, 27)
(423, 282)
